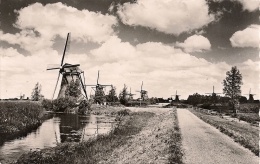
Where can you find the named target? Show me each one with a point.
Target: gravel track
(204, 144)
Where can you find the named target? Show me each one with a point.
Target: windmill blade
(142, 86)
(83, 87)
(84, 78)
(54, 68)
(56, 85)
(98, 77)
(73, 65)
(64, 49)
(105, 85)
(90, 85)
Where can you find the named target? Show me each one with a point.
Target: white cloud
(250, 5)
(123, 52)
(38, 30)
(250, 77)
(163, 68)
(9, 52)
(195, 43)
(248, 37)
(169, 16)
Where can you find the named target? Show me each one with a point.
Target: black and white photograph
(129, 81)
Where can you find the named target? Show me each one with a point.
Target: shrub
(123, 112)
(84, 106)
(47, 104)
(62, 104)
(205, 106)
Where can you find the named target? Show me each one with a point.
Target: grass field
(243, 133)
(93, 150)
(19, 117)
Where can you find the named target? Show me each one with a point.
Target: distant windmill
(251, 98)
(214, 96)
(143, 93)
(98, 88)
(130, 95)
(176, 97)
(69, 72)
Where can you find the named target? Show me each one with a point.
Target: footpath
(203, 143)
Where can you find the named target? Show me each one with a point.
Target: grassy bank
(17, 118)
(175, 147)
(105, 110)
(94, 150)
(249, 117)
(243, 133)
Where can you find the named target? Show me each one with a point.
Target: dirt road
(204, 144)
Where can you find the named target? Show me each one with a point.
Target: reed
(19, 117)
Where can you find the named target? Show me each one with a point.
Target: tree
(73, 89)
(123, 96)
(232, 84)
(99, 95)
(36, 93)
(111, 97)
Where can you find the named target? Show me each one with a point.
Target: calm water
(61, 128)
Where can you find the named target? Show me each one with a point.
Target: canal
(60, 128)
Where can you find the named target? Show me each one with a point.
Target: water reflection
(61, 128)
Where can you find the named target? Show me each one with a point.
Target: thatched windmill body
(251, 96)
(69, 72)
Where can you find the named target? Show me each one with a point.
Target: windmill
(176, 97)
(69, 72)
(98, 88)
(130, 95)
(21, 97)
(143, 93)
(214, 96)
(251, 98)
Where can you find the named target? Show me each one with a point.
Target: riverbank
(243, 133)
(19, 118)
(141, 137)
(93, 150)
(158, 142)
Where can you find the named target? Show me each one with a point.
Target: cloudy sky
(184, 45)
